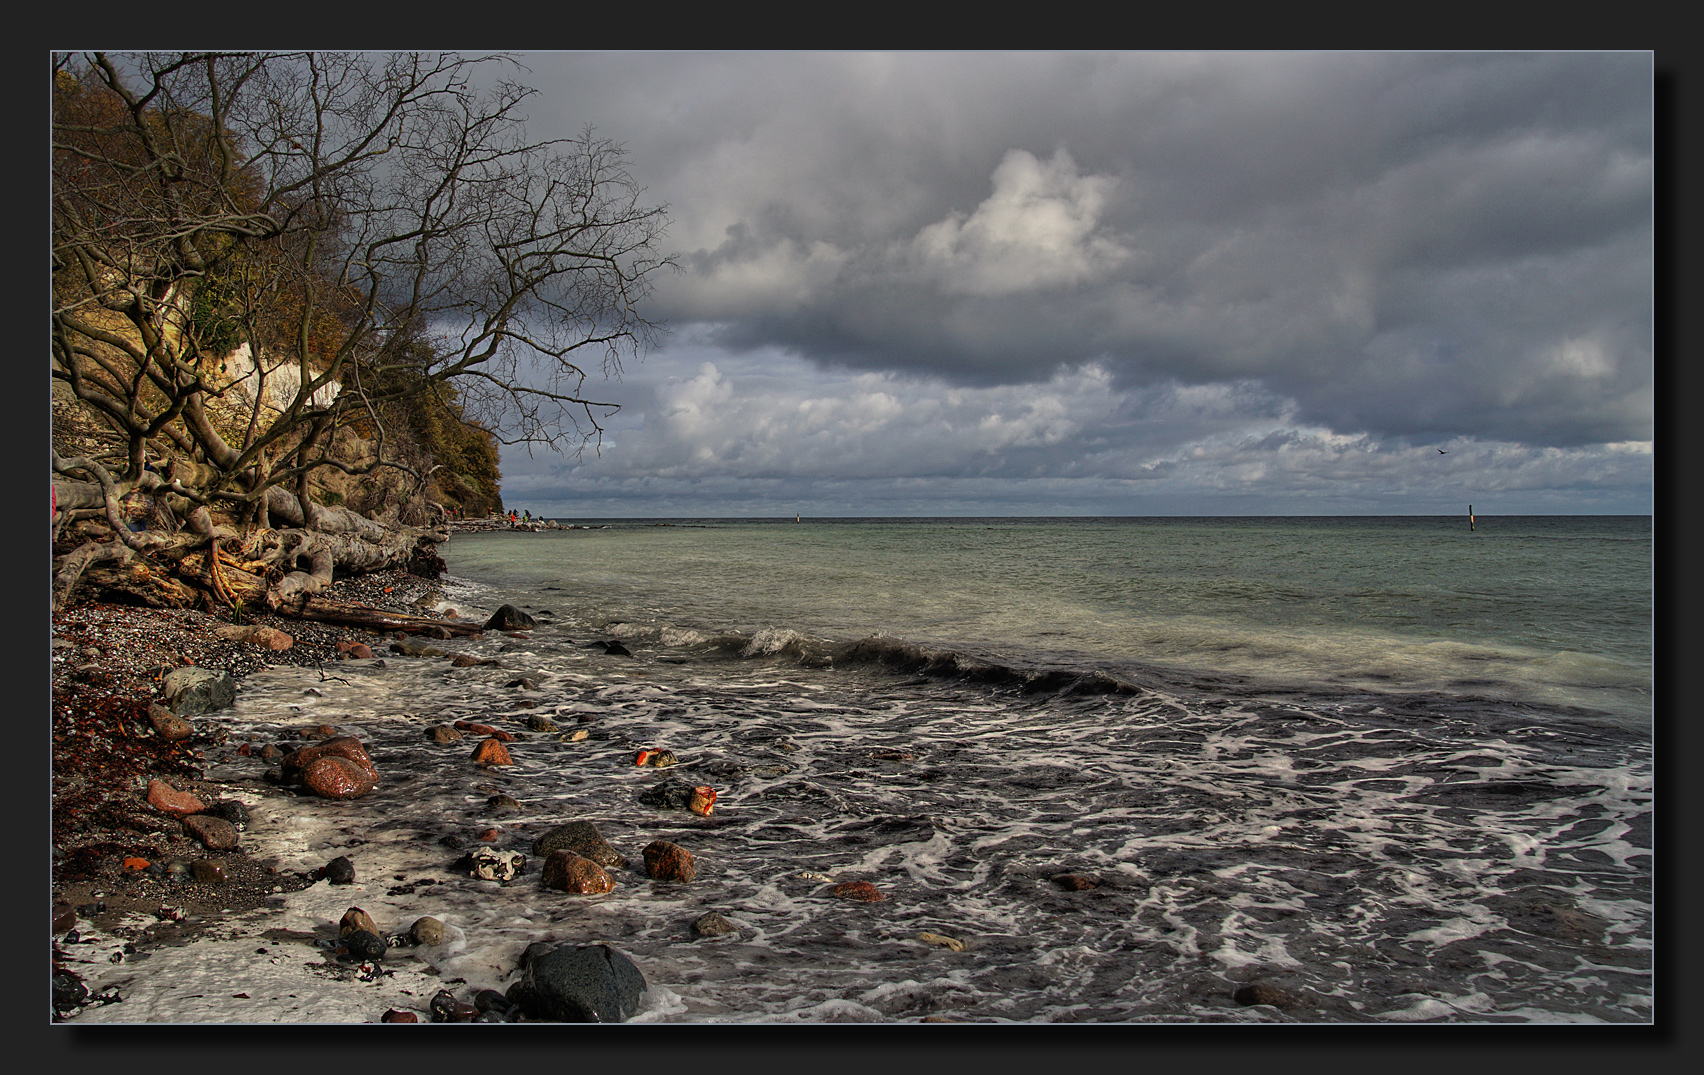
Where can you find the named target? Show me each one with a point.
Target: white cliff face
(274, 382)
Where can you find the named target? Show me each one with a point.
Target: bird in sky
(1442, 452)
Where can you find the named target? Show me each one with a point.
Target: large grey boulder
(577, 984)
(510, 618)
(191, 691)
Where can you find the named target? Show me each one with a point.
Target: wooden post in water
(1470, 517)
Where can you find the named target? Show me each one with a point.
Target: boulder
(577, 984)
(442, 733)
(191, 691)
(862, 891)
(668, 862)
(567, 872)
(335, 777)
(215, 834)
(510, 618)
(582, 838)
(341, 746)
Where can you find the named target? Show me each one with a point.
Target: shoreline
(115, 858)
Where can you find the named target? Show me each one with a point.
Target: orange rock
(492, 752)
(703, 801)
(643, 756)
(333, 776)
(858, 890)
(343, 746)
(568, 872)
(134, 863)
(169, 800)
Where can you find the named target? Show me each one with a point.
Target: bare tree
(252, 251)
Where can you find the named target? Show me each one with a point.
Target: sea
(1389, 770)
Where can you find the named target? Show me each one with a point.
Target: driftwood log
(182, 558)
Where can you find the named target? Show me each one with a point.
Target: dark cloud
(1382, 247)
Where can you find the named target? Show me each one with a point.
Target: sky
(1124, 283)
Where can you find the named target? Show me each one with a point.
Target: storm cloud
(929, 283)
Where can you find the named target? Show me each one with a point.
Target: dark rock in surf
(672, 794)
(339, 871)
(510, 618)
(577, 984)
(1264, 993)
(582, 838)
(711, 924)
(1074, 882)
(502, 804)
(442, 733)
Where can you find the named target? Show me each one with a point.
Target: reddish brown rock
(396, 1015)
(464, 660)
(333, 776)
(168, 725)
(668, 862)
(492, 752)
(858, 890)
(568, 872)
(342, 746)
(169, 800)
(484, 729)
(359, 651)
(215, 834)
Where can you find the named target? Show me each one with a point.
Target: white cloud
(1038, 229)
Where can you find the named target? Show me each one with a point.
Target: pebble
(711, 924)
(167, 799)
(427, 930)
(215, 834)
(207, 871)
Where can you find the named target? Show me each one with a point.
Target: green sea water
(1554, 610)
